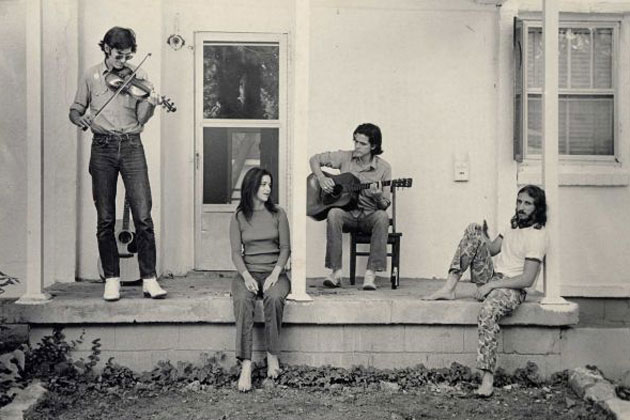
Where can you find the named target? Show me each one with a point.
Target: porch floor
(204, 297)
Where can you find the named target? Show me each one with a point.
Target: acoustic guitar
(127, 249)
(345, 193)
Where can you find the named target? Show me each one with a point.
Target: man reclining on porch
(521, 247)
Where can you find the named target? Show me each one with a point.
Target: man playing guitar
(117, 119)
(370, 214)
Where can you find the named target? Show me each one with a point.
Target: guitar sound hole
(337, 190)
(124, 237)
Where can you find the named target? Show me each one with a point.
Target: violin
(136, 88)
(125, 82)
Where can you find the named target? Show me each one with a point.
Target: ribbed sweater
(263, 242)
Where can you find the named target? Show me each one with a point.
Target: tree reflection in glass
(240, 81)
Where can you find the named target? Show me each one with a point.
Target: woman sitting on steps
(260, 241)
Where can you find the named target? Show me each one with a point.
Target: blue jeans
(111, 155)
(376, 223)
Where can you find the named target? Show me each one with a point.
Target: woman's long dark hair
(249, 189)
(539, 216)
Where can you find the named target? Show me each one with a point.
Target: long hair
(249, 189)
(538, 218)
(119, 38)
(373, 133)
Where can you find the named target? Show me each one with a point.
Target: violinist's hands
(326, 183)
(250, 283)
(270, 281)
(155, 99)
(84, 121)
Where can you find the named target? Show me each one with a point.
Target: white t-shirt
(519, 244)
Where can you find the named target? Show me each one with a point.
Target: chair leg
(353, 259)
(392, 271)
(396, 264)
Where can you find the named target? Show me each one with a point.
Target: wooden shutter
(518, 90)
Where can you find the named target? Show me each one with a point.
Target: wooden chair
(393, 239)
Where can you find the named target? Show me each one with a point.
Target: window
(587, 90)
(240, 106)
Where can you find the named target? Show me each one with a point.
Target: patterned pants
(472, 252)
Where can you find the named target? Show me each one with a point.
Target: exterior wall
(95, 18)
(12, 144)
(426, 74)
(594, 233)
(435, 76)
(603, 312)
(178, 130)
(140, 347)
(59, 61)
(553, 349)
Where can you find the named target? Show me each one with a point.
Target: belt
(120, 137)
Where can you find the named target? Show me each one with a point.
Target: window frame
(568, 22)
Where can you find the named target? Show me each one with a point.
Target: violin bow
(120, 89)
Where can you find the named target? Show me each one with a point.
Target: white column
(35, 158)
(550, 150)
(299, 151)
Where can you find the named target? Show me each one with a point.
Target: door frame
(282, 123)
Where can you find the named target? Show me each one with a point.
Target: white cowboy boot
(151, 288)
(112, 289)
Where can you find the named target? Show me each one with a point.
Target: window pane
(534, 124)
(240, 81)
(580, 45)
(534, 58)
(228, 153)
(590, 122)
(603, 58)
(535, 62)
(585, 125)
(574, 46)
(563, 59)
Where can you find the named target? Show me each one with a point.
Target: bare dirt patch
(348, 403)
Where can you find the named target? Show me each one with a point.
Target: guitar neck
(359, 187)
(126, 216)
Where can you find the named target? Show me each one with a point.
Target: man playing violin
(117, 148)
(370, 216)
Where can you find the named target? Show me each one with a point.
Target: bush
(11, 360)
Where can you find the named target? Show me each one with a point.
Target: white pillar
(550, 150)
(299, 151)
(35, 158)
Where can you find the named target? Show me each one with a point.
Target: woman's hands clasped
(250, 283)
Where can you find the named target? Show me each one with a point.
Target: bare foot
(442, 294)
(273, 366)
(447, 291)
(245, 380)
(487, 385)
